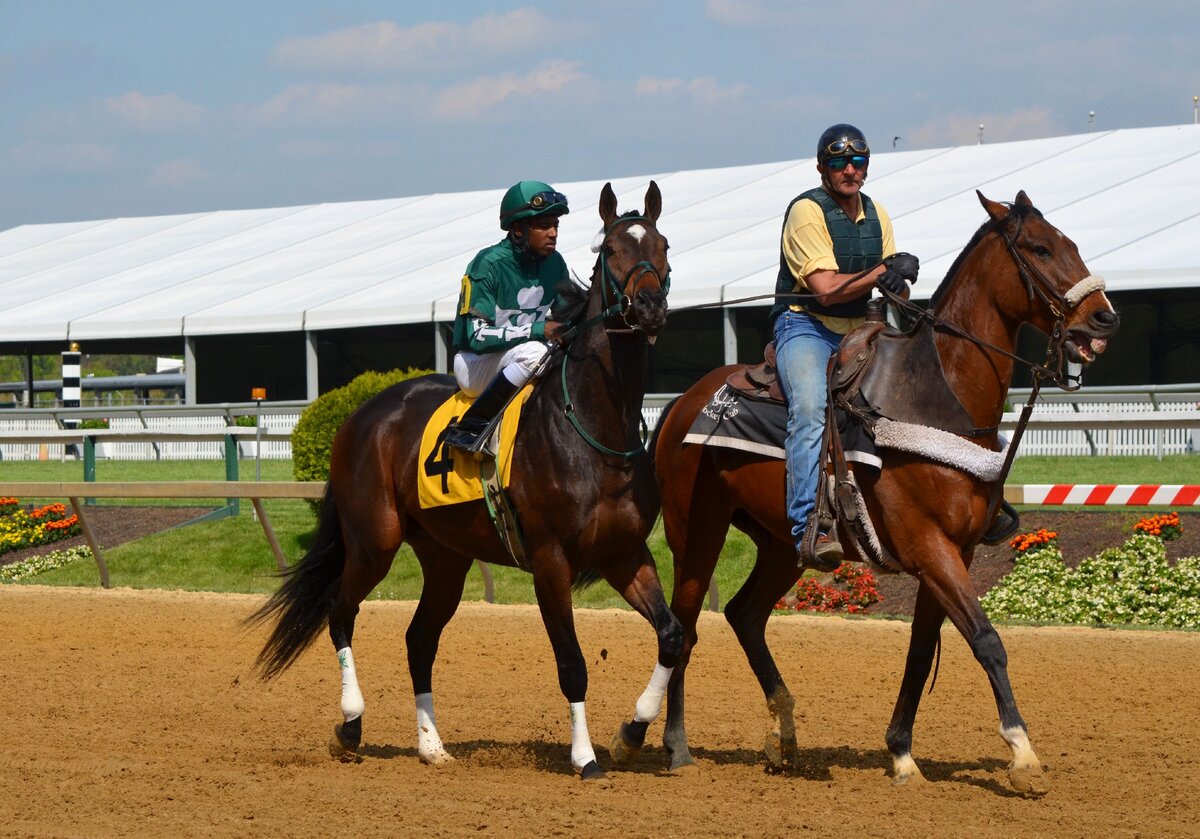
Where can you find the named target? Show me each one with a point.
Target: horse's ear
(653, 202)
(994, 208)
(1023, 200)
(608, 205)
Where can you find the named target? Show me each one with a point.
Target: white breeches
(474, 371)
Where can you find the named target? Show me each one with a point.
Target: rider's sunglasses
(844, 146)
(546, 199)
(837, 164)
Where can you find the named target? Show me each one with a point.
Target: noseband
(1058, 304)
(620, 290)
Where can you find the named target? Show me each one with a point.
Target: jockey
(836, 245)
(501, 332)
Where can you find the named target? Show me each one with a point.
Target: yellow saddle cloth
(449, 476)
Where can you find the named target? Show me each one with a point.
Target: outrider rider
(501, 332)
(836, 245)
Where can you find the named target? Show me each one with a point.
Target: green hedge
(312, 439)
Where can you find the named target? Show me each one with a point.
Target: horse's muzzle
(650, 311)
(1084, 343)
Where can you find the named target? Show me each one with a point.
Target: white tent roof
(1127, 198)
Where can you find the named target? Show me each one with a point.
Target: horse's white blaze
(429, 743)
(649, 704)
(1018, 741)
(352, 698)
(582, 752)
(636, 231)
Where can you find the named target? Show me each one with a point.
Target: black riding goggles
(837, 164)
(546, 199)
(847, 146)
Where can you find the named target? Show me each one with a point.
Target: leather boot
(821, 551)
(469, 433)
(1006, 523)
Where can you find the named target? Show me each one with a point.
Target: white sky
(133, 107)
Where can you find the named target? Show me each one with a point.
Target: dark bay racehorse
(1017, 269)
(586, 506)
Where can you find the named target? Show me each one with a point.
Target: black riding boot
(468, 433)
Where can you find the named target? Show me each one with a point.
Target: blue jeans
(802, 348)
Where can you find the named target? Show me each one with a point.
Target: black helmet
(839, 140)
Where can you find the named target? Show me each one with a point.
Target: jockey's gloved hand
(891, 282)
(904, 264)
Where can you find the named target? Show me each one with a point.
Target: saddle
(760, 381)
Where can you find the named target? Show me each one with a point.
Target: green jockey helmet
(528, 199)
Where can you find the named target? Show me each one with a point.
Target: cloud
(959, 129)
(177, 173)
(165, 111)
(704, 90)
(474, 98)
(386, 47)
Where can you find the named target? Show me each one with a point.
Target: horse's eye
(1041, 251)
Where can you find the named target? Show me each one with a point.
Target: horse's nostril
(1104, 319)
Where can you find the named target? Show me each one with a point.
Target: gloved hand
(904, 264)
(891, 282)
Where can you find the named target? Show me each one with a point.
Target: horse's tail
(301, 605)
(652, 443)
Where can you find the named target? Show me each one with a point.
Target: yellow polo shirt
(808, 247)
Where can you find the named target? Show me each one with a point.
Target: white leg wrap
(1022, 750)
(649, 704)
(429, 743)
(582, 752)
(352, 698)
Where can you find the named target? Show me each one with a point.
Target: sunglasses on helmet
(837, 164)
(847, 146)
(546, 199)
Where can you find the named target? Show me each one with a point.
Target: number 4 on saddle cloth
(450, 476)
(887, 390)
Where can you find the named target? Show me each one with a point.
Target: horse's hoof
(592, 772)
(684, 769)
(342, 748)
(623, 753)
(1029, 780)
(436, 757)
(780, 751)
(905, 772)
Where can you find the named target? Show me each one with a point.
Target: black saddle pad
(732, 420)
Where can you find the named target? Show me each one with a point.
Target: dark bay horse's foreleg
(552, 587)
(948, 581)
(639, 585)
(774, 572)
(928, 616)
(444, 573)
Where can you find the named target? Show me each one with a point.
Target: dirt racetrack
(135, 713)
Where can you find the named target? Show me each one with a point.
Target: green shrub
(245, 421)
(93, 422)
(312, 439)
(1132, 584)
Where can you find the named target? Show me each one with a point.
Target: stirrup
(1006, 523)
(820, 551)
(466, 439)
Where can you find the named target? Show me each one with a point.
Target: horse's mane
(571, 302)
(1018, 212)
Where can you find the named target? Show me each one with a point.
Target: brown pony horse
(586, 505)
(1017, 269)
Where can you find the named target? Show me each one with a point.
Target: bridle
(621, 305)
(619, 291)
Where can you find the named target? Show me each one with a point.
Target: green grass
(232, 555)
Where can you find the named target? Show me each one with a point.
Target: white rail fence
(1116, 421)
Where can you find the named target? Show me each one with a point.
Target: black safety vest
(856, 247)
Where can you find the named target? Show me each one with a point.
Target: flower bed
(850, 591)
(1132, 584)
(21, 528)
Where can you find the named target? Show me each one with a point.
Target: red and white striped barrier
(1107, 495)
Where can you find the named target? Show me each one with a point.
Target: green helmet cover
(527, 199)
